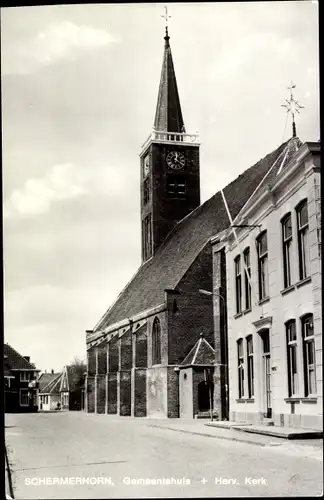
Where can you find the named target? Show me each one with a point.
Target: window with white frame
(303, 247)
(238, 284)
(240, 356)
(309, 354)
(24, 397)
(24, 376)
(262, 246)
(287, 248)
(247, 278)
(250, 368)
(291, 337)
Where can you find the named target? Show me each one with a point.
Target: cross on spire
(292, 106)
(166, 17)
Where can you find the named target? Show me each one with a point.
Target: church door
(205, 392)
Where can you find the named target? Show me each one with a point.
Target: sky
(79, 91)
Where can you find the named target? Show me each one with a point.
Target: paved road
(122, 451)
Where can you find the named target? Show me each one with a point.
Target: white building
(274, 320)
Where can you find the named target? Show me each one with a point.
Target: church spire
(168, 115)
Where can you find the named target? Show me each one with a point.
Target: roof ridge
(197, 349)
(208, 344)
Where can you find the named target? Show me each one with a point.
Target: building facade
(63, 390)
(273, 287)
(21, 382)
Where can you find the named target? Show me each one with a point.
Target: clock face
(146, 164)
(176, 160)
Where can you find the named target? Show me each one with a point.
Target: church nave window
(176, 186)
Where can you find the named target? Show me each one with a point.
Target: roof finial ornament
(292, 106)
(166, 17)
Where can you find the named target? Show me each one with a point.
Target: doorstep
(280, 432)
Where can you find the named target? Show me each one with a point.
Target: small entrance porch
(196, 387)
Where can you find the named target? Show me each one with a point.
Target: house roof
(183, 245)
(16, 361)
(201, 354)
(49, 383)
(168, 116)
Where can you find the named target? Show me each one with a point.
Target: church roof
(168, 116)
(202, 353)
(183, 245)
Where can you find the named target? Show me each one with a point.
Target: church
(161, 326)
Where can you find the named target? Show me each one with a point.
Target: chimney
(27, 358)
(52, 371)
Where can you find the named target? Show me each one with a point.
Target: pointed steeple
(168, 116)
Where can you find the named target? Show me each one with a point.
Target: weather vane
(292, 106)
(166, 17)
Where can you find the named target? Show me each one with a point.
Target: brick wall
(114, 354)
(102, 358)
(91, 354)
(125, 393)
(112, 392)
(126, 351)
(139, 392)
(193, 313)
(141, 347)
(91, 394)
(173, 393)
(101, 393)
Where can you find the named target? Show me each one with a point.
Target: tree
(76, 371)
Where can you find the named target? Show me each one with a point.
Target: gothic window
(147, 237)
(238, 284)
(309, 354)
(247, 278)
(156, 342)
(176, 186)
(303, 248)
(262, 245)
(291, 337)
(287, 245)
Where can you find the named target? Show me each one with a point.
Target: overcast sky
(79, 90)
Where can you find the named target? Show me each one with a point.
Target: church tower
(170, 182)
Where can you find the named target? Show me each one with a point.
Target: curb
(245, 441)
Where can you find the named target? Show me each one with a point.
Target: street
(105, 456)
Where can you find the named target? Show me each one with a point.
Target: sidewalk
(270, 430)
(311, 448)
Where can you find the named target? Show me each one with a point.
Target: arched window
(156, 342)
